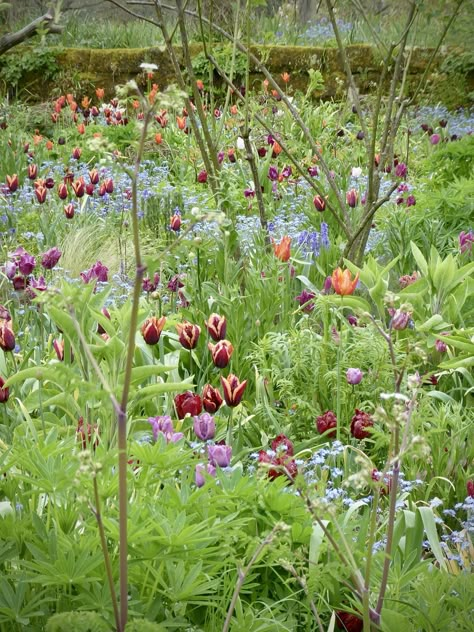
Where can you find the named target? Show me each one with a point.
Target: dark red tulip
(187, 403)
(7, 337)
(233, 389)
(221, 353)
(327, 421)
(349, 622)
(4, 391)
(359, 424)
(69, 210)
(319, 203)
(12, 183)
(78, 188)
(32, 171)
(216, 326)
(152, 328)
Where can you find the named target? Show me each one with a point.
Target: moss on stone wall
(108, 67)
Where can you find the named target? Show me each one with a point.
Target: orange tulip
(100, 93)
(343, 283)
(181, 122)
(158, 138)
(285, 76)
(85, 102)
(282, 250)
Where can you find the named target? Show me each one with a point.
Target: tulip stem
(229, 427)
(339, 360)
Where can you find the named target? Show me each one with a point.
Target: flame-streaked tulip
(359, 424)
(78, 187)
(352, 197)
(400, 319)
(188, 334)
(62, 191)
(325, 422)
(58, 346)
(175, 222)
(94, 176)
(233, 389)
(211, 399)
(187, 403)
(343, 283)
(204, 427)
(282, 250)
(7, 337)
(109, 185)
(152, 328)
(219, 454)
(221, 353)
(216, 326)
(319, 203)
(32, 171)
(69, 211)
(12, 182)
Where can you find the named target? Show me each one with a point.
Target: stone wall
(88, 68)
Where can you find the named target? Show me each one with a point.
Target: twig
(302, 582)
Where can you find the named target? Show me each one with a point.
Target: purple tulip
(219, 454)
(410, 201)
(434, 139)
(401, 170)
(327, 285)
(27, 264)
(354, 376)
(441, 346)
(199, 473)
(162, 425)
(204, 427)
(10, 269)
(466, 240)
(50, 258)
(400, 319)
(273, 173)
(304, 299)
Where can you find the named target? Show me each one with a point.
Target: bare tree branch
(45, 22)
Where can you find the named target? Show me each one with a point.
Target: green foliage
(223, 57)
(77, 622)
(28, 63)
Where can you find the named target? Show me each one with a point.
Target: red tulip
(152, 328)
(187, 403)
(216, 326)
(4, 392)
(221, 353)
(211, 399)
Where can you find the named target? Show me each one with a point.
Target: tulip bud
(175, 222)
(32, 171)
(319, 203)
(199, 473)
(40, 193)
(352, 197)
(354, 376)
(216, 326)
(152, 328)
(219, 455)
(69, 210)
(12, 183)
(233, 389)
(202, 176)
(327, 421)
(58, 346)
(7, 337)
(211, 399)
(188, 334)
(221, 353)
(50, 258)
(400, 319)
(78, 188)
(204, 427)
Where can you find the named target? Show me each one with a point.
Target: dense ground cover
(290, 414)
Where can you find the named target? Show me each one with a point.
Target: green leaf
(419, 258)
(429, 524)
(316, 540)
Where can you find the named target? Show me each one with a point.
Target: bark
(46, 22)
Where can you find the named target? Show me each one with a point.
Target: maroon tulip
(76, 153)
(216, 326)
(470, 488)
(221, 353)
(102, 190)
(7, 337)
(109, 185)
(188, 334)
(49, 183)
(349, 622)
(319, 203)
(187, 403)
(202, 176)
(90, 189)
(86, 433)
(211, 399)
(441, 346)
(50, 258)
(359, 424)
(327, 421)
(4, 392)
(152, 328)
(233, 389)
